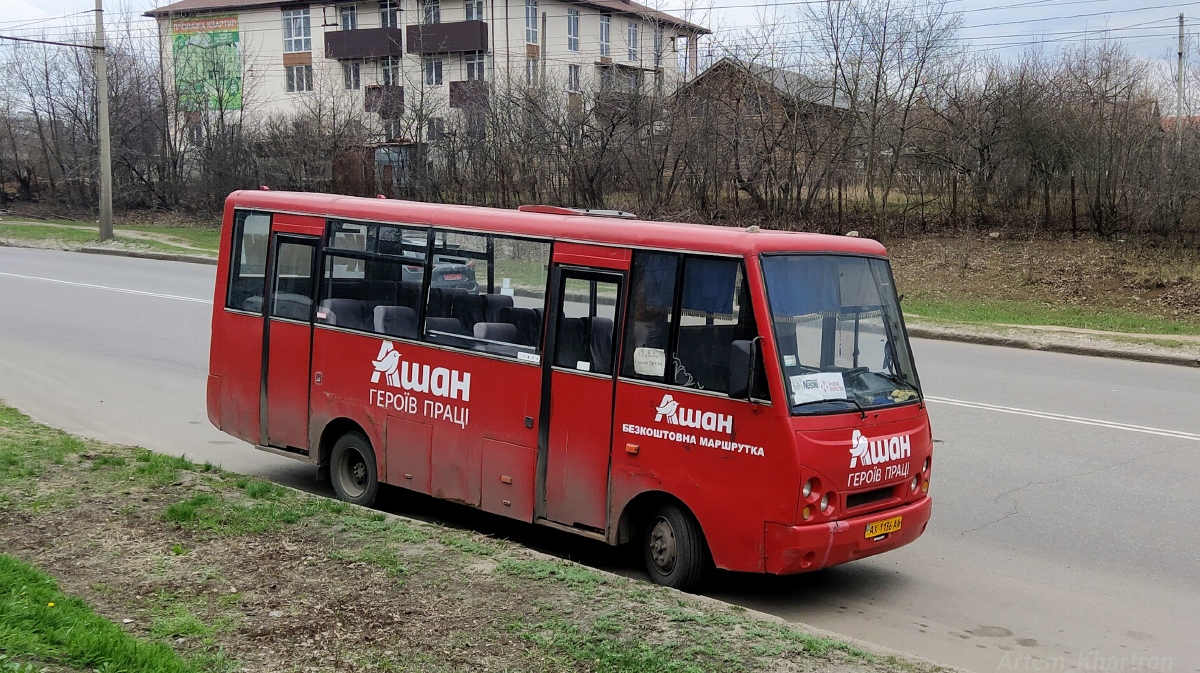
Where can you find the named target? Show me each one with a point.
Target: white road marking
(110, 289)
(1161, 432)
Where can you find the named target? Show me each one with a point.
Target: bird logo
(858, 449)
(667, 408)
(387, 363)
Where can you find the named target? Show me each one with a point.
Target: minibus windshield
(837, 325)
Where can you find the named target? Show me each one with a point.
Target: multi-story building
(267, 57)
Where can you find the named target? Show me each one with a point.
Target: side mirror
(742, 355)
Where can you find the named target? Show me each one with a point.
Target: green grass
(1035, 313)
(37, 621)
(206, 238)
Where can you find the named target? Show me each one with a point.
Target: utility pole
(1179, 92)
(106, 215)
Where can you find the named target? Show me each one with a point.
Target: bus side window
(248, 265)
(487, 294)
(648, 327)
(372, 278)
(714, 312)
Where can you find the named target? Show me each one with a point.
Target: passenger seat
(398, 321)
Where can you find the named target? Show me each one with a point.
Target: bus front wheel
(676, 554)
(353, 471)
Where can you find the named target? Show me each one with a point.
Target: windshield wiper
(895, 378)
(861, 411)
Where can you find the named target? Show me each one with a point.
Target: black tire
(675, 552)
(353, 471)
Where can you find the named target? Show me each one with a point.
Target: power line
(51, 42)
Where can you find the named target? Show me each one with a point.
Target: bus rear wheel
(675, 551)
(353, 471)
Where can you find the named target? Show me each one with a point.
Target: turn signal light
(925, 486)
(807, 513)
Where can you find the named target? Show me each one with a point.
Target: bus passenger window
(373, 276)
(585, 325)
(649, 324)
(248, 267)
(487, 294)
(714, 312)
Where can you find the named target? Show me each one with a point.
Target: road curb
(145, 254)
(925, 332)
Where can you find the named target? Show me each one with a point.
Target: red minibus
(726, 397)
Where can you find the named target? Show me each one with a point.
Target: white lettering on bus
(418, 378)
(670, 411)
(866, 451)
(686, 438)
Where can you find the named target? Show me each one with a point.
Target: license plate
(877, 528)
(452, 276)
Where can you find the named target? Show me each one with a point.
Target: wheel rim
(353, 473)
(662, 546)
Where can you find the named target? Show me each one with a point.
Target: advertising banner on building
(208, 63)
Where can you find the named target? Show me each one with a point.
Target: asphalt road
(1066, 527)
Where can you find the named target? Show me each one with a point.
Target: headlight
(916, 483)
(807, 490)
(824, 502)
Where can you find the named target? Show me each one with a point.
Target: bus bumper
(801, 549)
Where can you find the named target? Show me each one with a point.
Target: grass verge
(1035, 313)
(195, 240)
(233, 573)
(40, 623)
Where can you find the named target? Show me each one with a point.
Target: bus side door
(577, 393)
(287, 341)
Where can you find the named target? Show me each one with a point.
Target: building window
(349, 17)
(475, 61)
(531, 21)
(631, 36)
(531, 71)
(436, 129)
(606, 76)
(299, 78)
(392, 129)
(352, 76)
(658, 46)
(389, 14)
(474, 10)
(297, 32)
(573, 77)
(433, 11)
(433, 70)
(633, 80)
(605, 32)
(391, 70)
(573, 29)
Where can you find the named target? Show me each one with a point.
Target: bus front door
(288, 341)
(577, 391)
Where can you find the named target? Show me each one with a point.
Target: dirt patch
(237, 574)
(1152, 281)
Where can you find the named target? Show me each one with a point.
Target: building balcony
(387, 101)
(363, 43)
(471, 94)
(443, 38)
